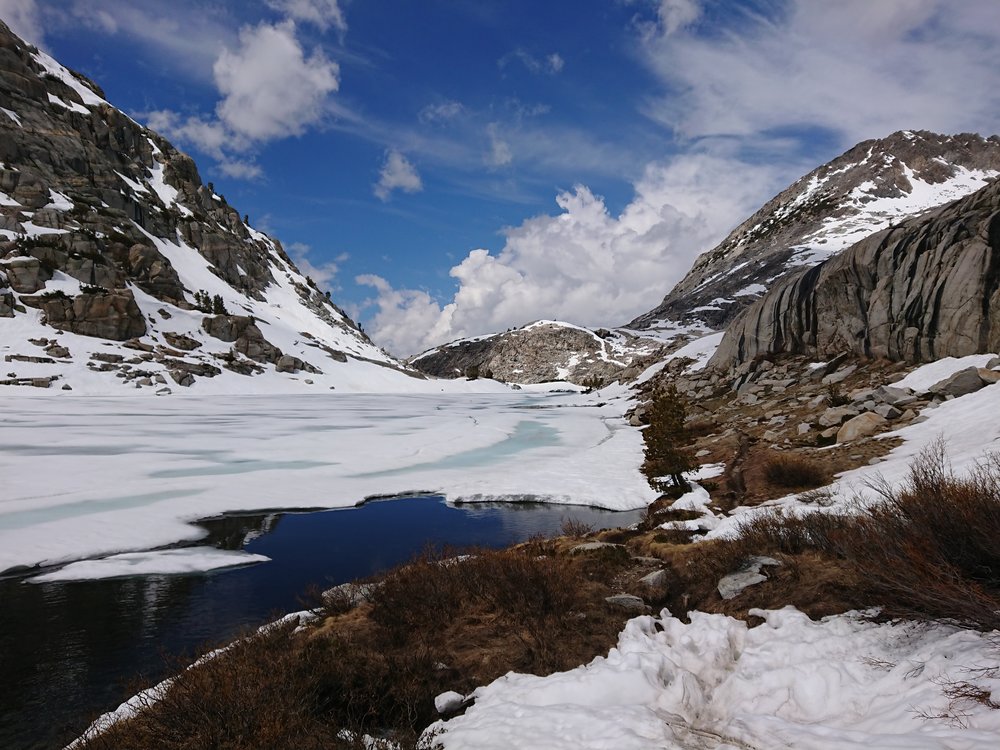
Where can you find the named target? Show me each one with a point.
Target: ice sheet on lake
(86, 477)
(158, 562)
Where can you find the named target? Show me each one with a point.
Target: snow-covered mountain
(874, 185)
(545, 350)
(120, 269)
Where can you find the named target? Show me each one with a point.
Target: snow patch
(179, 561)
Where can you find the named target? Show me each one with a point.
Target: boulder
(836, 415)
(26, 275)
(888, 411)
(734, 584)
(989, 376)
(958, 384)
(7, 303)
(657, 580)
(861, 426)
(108, 315)
(888, 394)
(246, 337)
(840, 375)
(628, 602)
(181, 341)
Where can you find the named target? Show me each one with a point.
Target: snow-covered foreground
(86, 477)
(715, 684)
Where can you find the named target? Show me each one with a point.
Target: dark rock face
(927, 289)
(106, 315)
(90, 193)
(825, 211)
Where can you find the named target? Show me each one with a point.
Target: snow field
(714, 683)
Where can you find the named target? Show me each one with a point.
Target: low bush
(793, 471)
(926, 549)
(442, 622)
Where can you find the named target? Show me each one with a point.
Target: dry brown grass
(926, 551)
(791, 471)
(439, 623)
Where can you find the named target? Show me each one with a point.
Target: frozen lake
(89, 477)
(103, 496)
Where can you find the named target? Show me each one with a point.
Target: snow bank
(831, 685)
(158, 562)
(925, 376)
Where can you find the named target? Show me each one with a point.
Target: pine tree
(667, 438)
(218, 305)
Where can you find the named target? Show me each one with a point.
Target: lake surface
(69, 650)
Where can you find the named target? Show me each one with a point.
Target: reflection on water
(68, 650)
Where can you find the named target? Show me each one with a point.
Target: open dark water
(68, 651)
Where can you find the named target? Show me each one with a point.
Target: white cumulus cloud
(270, 88)
(397, 173)
(324, 274)
(583, 264)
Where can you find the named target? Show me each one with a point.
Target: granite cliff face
(111, 244)
(872, 186)
(926, 289)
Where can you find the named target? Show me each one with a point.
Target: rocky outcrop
(537, 353)
(927, 289)
(105, 314)
(246, 337)
(873, 185)
(108, 230)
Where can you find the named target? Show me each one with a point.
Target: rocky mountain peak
(111, 245)
(922, 290)
(871, 186)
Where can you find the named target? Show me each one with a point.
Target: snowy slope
(117, 215)
(870, 187)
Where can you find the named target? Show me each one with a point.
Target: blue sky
(451, 168)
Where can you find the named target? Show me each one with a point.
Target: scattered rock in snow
(960, 383)
(734, 584)
(861, 426)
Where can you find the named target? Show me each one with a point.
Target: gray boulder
(958, 384)
(106, 314)
(628, 602)
(836, 415)
(861, 426)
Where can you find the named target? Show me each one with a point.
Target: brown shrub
(793, 471)
(927, 550)
(250, 696)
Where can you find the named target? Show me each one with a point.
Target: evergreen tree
(218, 305)
(667, 438)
